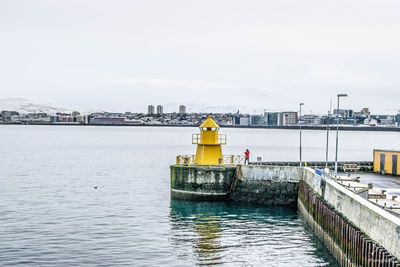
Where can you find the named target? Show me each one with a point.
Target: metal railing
(196, 139)
(351, 167)
(228, 160)
(233, 159)
(185, 160)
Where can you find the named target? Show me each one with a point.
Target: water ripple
(51, 214)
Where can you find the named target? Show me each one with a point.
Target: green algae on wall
(206, 183)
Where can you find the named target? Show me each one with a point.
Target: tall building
(345, 113)
(244, 121)
(257, 120)
(150, 110)
(397, 117)
(235, 120)
(311, 119)
(159, 109)
(287, 118)
(271, 118)
(182, 109)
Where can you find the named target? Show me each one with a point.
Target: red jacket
(247, 154)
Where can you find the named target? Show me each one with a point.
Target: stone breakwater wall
(268, 185)
(202, 183)
(357, 232)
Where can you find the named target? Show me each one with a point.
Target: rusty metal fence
(358, 248)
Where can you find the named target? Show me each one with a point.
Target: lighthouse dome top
(209, 123)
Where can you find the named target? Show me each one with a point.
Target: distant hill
(28, 106)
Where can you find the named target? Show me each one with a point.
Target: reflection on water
(242, 234)
(207, 245)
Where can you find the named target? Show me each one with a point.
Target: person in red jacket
(247, 157)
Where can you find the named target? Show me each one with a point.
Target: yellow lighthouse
(209, 143)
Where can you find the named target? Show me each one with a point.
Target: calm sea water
(51, 214)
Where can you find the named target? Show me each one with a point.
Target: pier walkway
(364, 166)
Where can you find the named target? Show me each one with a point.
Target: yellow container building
(387, 161)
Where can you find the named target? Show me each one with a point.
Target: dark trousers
(246, 160)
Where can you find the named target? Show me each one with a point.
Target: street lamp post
(327, 134)
(337, 129)
(301, 104)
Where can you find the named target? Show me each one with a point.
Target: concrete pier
(365, 166)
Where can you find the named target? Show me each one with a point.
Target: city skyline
(156, 115)
(28, 106)
(151, 118)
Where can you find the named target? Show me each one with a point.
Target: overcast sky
(124, 55)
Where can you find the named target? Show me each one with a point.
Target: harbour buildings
(156, 116)
(387, 161)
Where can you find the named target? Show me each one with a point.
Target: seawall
(207, 183)
(379, 229)
(275, 186)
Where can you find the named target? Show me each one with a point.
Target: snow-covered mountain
(28, 106)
